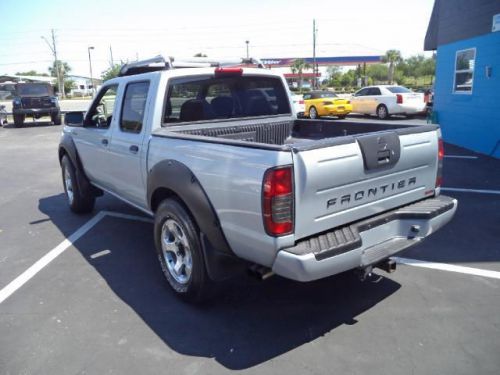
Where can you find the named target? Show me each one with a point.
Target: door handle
(134, 149)
(104, 141)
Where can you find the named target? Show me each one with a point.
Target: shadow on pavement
(247, 323)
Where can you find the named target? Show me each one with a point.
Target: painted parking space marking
(448, 267)
(27, 275)
(478, 191)
(460, 157)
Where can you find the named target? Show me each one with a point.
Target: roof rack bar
(143, 66)
(158, 63)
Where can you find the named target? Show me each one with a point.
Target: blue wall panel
(471, 121)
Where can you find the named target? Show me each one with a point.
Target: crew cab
(233, 179)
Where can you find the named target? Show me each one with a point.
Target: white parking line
(479, 191)
(460, 157)
(23, 278)
(448, 267)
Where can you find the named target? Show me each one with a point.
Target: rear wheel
(178, 246)
(382, 112)
(78, 201)
(19, 120)
(313, 113)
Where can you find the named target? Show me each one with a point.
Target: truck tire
(78, 202)
(56, 118)
(178, 246)
(18, 120)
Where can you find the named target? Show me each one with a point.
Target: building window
(464, 71)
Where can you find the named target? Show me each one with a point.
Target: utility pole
(247, 42)
(112, 62)
(314, 53)
(53, 49)
(91, 77)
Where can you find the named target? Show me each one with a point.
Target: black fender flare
(170, 177)
(67, 147)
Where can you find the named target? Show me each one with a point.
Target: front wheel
(313, 113)
(56, 118)
(78, 201)
(19, 120)
(179, 251)
(382, 112)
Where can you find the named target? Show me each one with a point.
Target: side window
(362, 92)
(464, 71)
(101, 112)
(307, 96)
(180, 96)
(374, 91)
(134, 104)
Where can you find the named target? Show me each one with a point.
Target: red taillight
(277, 201)
(399, 99)
(229, 71)
(301, 102)
(439, 176)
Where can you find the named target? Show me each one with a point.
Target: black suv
(37, 100)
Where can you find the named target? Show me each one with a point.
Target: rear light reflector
(439, 176)
(229, 71)
(399, 99)
(277, 201)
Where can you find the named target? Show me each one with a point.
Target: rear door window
(215, 98)
(374, 91)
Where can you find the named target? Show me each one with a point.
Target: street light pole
(247, 42)
(91, 77)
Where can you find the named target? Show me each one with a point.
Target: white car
(387, 100)
(298, 104)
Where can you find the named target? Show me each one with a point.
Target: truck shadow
(247, 323)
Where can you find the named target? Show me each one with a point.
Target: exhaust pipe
(388, 265)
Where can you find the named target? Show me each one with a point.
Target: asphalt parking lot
(98, 304)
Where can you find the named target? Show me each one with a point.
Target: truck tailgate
(370, 174)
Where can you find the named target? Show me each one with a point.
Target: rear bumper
(408, 109)
(366, 242)
(334, 110)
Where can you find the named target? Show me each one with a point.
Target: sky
(145, 28)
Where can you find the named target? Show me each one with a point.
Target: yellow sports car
(325, 103)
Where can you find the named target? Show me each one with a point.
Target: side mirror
(74, 118)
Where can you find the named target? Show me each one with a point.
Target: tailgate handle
(380, 150)
(384, 157)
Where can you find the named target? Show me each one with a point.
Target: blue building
(466, 36)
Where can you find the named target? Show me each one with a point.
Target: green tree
(298, 67)
(111, 72)
(200, 54)
(32, 73)
(64, 69)
(377, 72)
(334, 76)
(392, 57)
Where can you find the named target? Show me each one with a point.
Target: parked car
(234, 181)
(37, 100)
(326, 103)
(298, 104)
(3, 115)
(387, 100)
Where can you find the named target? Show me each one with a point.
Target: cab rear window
(216, 98)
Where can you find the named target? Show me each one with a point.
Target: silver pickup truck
(235, 180)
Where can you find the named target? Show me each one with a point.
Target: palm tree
(298, 67)
(392, 57)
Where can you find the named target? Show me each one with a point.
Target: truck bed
(285, 134)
